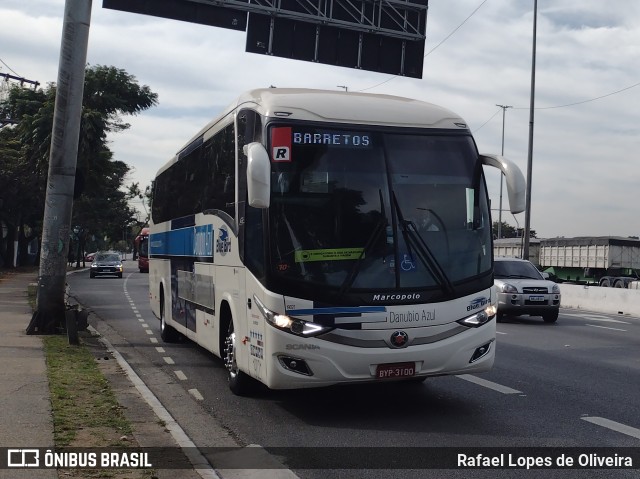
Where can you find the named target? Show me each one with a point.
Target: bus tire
(550, 317)
(239, 382)
(167, 333)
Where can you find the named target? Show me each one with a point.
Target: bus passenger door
(256, 332)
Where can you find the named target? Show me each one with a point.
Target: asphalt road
(573, 384)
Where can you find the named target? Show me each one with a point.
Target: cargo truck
(606, 261)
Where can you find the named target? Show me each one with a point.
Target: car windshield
(363, 210)
(107, 257)
(516, 269)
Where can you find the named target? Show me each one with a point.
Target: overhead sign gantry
(385, 36)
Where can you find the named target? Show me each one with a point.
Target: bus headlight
(480, 318)
(290, 324)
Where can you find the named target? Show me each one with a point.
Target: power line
(456, 29)
(432, 50)
(10, 69)
(565, 105)
(584, 101)
(492, 116)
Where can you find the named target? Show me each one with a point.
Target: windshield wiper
(412, 237)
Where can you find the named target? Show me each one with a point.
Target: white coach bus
(312, 238)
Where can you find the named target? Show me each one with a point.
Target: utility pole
(50, 306)
(4, 91)
(527, 218)
(504, 109)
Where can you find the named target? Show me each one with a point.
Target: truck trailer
(606, 261)
(513, 247)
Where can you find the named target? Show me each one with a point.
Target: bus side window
(219, 187)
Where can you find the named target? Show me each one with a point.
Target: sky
(478, 54)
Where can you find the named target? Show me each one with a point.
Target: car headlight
(480, 318)
(555, 289)
(93, 265)
(290, 324)
(508, 288)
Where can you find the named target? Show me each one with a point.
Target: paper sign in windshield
(333, 254)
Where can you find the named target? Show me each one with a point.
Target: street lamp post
(504, 109)
(527, 218)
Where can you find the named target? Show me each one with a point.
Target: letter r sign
(281, 144)
(281, 153)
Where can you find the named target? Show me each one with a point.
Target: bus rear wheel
(239, 383)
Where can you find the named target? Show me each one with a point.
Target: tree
(100, 207)
(144, 197)
(20, 170)
(508, 231)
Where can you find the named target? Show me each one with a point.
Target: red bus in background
(141, 249)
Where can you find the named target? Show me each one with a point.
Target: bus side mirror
(258, 175)
(516, 184)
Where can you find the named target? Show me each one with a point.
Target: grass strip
(86, 412)
(81, 397)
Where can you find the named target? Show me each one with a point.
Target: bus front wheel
(167, 333)
(239, 382)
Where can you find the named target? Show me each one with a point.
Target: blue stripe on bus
(357, 310)
(195, 241)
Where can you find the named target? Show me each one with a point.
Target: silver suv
(106, 263)
(522, 289)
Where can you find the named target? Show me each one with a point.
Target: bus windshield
(373, 210)
(143, 248)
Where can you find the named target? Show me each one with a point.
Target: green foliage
(102, 208)
(508, 231)
(80, 395)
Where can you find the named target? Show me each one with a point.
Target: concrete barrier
(606, 300)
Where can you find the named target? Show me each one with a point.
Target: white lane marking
(604, 327)
(141, 319)
(149, 331)
(160, 349)
(200, 463)
(613, 425)
(153, 340)
(500, 332)
(196, 394)
(488, 384)
(168, 360)
(595, 317)
(145, 325)
(181, 376)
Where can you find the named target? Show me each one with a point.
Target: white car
(522, 289)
